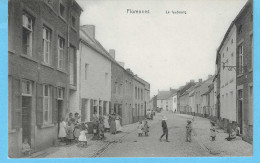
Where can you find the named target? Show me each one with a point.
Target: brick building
(244, 55)
(122, 90)
(42, 41)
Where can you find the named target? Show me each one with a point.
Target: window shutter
(91, 110)
(39, 109)
(55, 105)
(16, 104)
(83, 111)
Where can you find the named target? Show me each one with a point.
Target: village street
(128, 144)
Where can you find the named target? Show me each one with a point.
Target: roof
(163, 95)
(205, 85)
(182, 89)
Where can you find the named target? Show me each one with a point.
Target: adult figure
(106, 123)
(118, 125)
(165, 129)
(113, 123)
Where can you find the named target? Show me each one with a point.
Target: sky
(166, 50)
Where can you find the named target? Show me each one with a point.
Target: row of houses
(227, 96)
(58, 67)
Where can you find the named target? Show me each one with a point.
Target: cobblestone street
(128, 144)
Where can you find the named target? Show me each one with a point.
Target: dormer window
(73, 22)
(240, 30)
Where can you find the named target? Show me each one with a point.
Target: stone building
(43, 37)
(181, 90)
(244, 64)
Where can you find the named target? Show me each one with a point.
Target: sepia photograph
(133, 78)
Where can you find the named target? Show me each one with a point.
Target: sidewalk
(220, 147)
(93, 149)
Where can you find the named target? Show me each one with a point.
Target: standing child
(101, 128)
(188, 131)
(82, 136)
(140, 128)
(69, 130)
(26, 149)
(62, 130)
(213, 131)
(146, 128)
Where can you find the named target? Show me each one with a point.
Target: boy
(188, 131)
(26, 149)
(213, 131)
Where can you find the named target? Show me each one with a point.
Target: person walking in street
(213, 131)
(165, 129)
(140, 128)
(62, 130)
(113, 124)
(146, 128)
(188, 131)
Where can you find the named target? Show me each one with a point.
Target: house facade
(42, 41)
(94, 77)
(165, 100)
(244, 76)
(138, 112)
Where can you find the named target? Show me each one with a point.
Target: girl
(62, 130)
(146, 128)
(118, 125)
(69, 130)
(213, 131)
(26, 149)
(140, 128)
(82, 136)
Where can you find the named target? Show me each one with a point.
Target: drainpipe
(68, 46)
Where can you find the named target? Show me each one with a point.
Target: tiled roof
(163, 95)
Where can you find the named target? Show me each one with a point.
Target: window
(27, 35)
(26, 88)
(86, 71)
(46, 44)
(73, 21)
(47, 109)
(62, 10)
(60, 93)
(227, 48)
(240, 59)
(115, 88)
(72, 65)
(232, 41)
(106, 79)
(135, 92)
(61, 53)
(223, 55)
(240, 30)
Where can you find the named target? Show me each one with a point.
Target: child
(146, 128)
(101, 128)
(69, 130)
(188, 131)
(62, 130)
(140, 129)
(83, 137)
(26, 149)
(213, 131)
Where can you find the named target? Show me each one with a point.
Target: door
(59, 103)
(240, 115)
(26, 118)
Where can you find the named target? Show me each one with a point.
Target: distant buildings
(165, 100)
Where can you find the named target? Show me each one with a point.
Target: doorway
(240, 110)
(26, 118)
(59, 107)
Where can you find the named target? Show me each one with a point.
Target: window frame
(49, 109)
(48, 42)
(28, 30)
(24, 81)
(61, 63)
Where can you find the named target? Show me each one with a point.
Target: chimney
(122, 64)
(209, 76)
(200, 80)
(89, 29)
(112, 53)
(192, 81)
